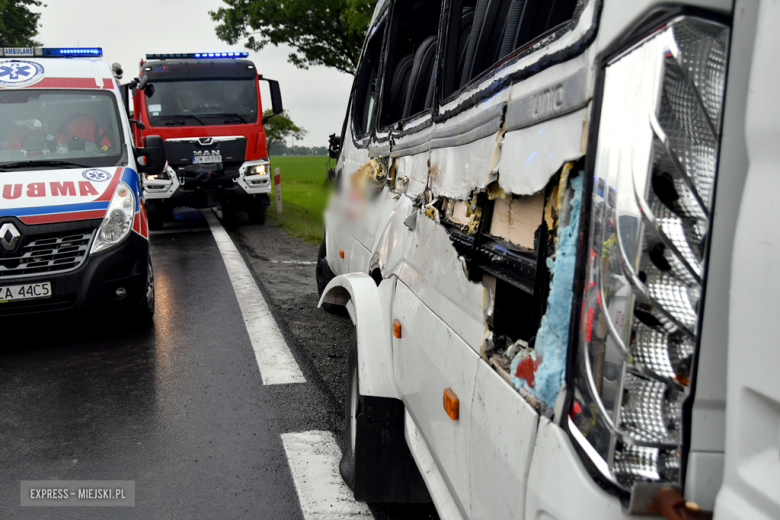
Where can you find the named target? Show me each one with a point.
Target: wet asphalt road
(178, 407)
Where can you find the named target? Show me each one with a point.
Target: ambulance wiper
(7, 167)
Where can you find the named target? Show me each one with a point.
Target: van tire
(351, 411)
(377, 464)
(324, 275)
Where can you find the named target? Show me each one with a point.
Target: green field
(304, 196)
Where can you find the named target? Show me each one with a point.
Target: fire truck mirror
(276, 98)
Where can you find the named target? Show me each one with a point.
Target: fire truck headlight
(118, 220)
(258, 169)
(655, 170)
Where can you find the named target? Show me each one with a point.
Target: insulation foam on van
(552, 339)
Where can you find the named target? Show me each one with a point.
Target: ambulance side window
(368, 83)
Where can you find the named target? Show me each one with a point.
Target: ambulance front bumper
(93, 285)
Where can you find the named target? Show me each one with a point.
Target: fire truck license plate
(30, 291)
(200, 159)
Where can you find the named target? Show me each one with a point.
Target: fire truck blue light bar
(198, 55)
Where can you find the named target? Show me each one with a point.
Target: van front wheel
(377, 464)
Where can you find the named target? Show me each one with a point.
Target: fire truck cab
(208, 110)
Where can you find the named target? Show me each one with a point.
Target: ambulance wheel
(257, 212)
(347, 466)
(145, 309)
(324, 275)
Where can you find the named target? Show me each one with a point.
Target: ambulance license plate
(29, 291)
(206, 159)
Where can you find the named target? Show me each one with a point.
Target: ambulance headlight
(118, 220)
(653, 185)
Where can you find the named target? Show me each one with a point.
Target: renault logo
(9, 236)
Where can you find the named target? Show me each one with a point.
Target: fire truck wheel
(257, 212)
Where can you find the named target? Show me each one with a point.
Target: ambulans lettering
(36, 189)
(12, 191)
(62, 188)
(86, 188)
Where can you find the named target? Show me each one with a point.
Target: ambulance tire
(377, 464)
(324, 275)
(257, 212)
(145, 309)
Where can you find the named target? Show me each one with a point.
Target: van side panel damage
(549, 356)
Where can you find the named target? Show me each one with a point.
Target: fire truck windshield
(203, 102)
(72, 128)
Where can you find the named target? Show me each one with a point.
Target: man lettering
(86, 188)
(36, 189)
(62, 188)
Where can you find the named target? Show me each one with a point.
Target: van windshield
(203, 102)
(74, 128)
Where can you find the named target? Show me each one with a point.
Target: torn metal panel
(485, 122)
(426, 261)
(415, 169)
(456, 172)
(517, 219)
(542, 373)
(531, 156)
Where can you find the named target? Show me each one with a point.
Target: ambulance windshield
(75, 127)
(203, 102)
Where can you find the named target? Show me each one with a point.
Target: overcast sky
(316, 98)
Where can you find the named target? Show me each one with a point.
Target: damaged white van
(553, 228)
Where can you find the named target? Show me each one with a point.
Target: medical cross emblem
(19, 72)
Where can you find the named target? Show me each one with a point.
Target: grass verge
(304, 196)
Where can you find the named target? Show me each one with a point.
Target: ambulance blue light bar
(198, 55)
(51, 52)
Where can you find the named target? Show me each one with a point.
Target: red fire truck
(208, 110)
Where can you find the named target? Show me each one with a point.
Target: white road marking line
(314, 462)
(297, 262)
(277, 365)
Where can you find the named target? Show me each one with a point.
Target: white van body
(492, 205)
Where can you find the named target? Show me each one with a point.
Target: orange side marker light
(397, 329)
(341, 253)
(451, 404)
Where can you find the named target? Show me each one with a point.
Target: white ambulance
(73, 229)
(554, 229)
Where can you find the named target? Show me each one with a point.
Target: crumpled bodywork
(549, 356)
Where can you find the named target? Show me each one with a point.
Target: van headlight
(653, 185)
(118, 221)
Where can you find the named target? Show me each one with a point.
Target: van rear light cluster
(653, 186)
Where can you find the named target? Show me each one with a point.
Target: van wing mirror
(154, 152)
(276, 98)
